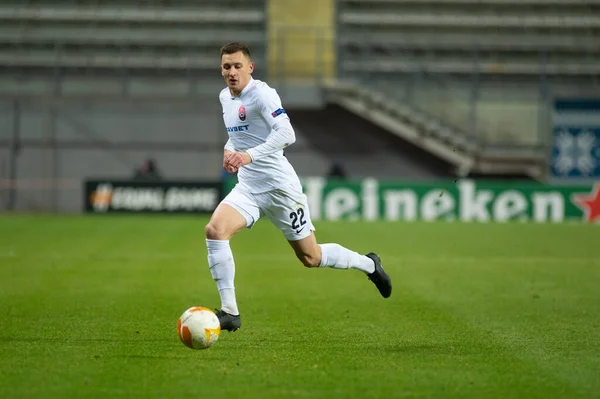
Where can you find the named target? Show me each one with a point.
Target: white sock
(338, 257)
(222, 269)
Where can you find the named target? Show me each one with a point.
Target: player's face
(236, 69)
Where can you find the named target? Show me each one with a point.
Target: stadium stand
(125, 34)
(469, 80)
(507, 36)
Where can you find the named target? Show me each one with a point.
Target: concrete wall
(67, 142)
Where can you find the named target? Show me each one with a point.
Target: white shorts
(287, 210)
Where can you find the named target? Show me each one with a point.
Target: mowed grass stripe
(105, 309)
(550, 326)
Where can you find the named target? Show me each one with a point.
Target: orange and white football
(198, 328)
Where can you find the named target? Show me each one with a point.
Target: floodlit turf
(89, 309)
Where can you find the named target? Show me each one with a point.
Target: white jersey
(249, 119)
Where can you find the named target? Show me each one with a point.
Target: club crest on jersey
(242, 113)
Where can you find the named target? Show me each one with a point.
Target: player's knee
(309, 260)
(214, 231)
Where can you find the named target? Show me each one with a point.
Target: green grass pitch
(89, 309)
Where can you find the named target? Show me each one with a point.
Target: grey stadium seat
(182, 36)
(506, 36)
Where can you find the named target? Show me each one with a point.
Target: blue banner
(576, 139)
(576, 152)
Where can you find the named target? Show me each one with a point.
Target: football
(198, 328)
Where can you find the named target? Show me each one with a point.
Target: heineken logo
(467, 201)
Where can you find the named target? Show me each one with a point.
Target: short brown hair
(234, 47)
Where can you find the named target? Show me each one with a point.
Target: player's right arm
(229, 147)
(227, 151)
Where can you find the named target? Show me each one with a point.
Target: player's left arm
(282, 133)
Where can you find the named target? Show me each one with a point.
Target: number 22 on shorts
(298, 221)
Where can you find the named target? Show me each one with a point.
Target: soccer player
(259, 129)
